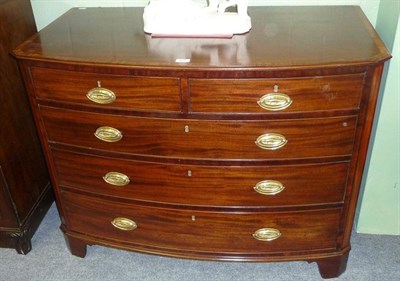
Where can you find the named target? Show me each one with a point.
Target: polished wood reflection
(280, 37)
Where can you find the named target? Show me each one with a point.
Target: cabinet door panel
(7, 215)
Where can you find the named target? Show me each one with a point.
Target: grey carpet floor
(373, 258)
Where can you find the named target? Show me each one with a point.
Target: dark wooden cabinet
(251, 150)
(25, 191)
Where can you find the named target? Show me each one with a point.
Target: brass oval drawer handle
(275, 101)
(271, 141)
(269, 187)
(108, 134)
(124, 224)
(101, 95)
(117, 179)
(267, 234)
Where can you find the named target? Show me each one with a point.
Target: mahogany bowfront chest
(242, 149)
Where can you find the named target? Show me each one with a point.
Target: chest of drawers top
(281, 38)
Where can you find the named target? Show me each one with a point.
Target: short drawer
(108, 91)
(202, 231)
(227, 186)
(276, 95)
(205, 139)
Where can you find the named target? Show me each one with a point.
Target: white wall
(48, 10)
(379, 207)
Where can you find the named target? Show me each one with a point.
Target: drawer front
(300, 94)
(134, 93)
(202, 138)
(202, 185)
(189, 230)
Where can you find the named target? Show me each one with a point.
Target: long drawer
(203, 185)
(304, 94)
(202, 139)
(205, 231)
(108, 91)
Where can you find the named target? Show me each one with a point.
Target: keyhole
(276, 88)
(189, 173)
(186, 129)
(99, 84)
(193, 218)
